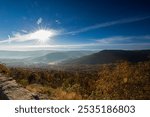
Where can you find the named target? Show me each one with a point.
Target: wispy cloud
(124, 39)
(31, 36)
(24, 31)
(45, 47)
(39, 21)
(58, 21)
(108, 24)
(89, 46)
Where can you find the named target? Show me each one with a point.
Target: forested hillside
(122, 80)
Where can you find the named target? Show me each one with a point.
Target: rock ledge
(10, 90)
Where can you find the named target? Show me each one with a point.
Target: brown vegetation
(111, 81)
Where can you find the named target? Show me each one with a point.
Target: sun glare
(43, 36)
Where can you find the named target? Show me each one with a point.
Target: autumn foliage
(123, 80)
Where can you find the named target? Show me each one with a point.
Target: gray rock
(10, 90)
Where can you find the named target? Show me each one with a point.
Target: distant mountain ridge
(113, 56)
(45, 57)
(61, 56)
(22, 54)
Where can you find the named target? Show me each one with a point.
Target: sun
(43, 35)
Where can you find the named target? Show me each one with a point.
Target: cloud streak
(124, 39)
(39, 21)
(24, 31)
(32, 36)
(108, 24)
(89, 46)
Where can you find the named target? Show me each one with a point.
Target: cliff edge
(10, 90)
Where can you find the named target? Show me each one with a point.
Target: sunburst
(43, 35)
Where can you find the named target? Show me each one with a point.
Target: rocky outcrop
(10, 90)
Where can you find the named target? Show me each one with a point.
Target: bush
(33, 78)
(4, 69)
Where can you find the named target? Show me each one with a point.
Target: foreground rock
(10, 90)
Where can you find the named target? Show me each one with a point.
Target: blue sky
(74, 24)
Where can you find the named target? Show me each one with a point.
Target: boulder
(10, 90)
